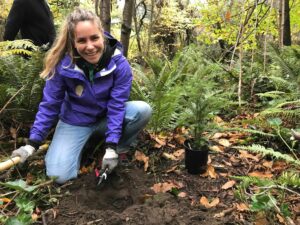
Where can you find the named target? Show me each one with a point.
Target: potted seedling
(201, 103)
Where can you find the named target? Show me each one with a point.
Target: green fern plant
(160, 87)
(289, 178)
(17, 47)
(269, 195)
(20, 77)
(269, 151)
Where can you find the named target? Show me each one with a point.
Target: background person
(88, 82)
(33, 19)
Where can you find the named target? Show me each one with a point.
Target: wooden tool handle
(9, 163)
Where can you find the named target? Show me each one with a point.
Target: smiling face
(88, 40)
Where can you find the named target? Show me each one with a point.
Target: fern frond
(292, 115)
(271, 94)
(275, 55)
(248, 131)
(295, 103)
(247, 181)
(16, 52)
(291, 179)
(269, 151)
(17, 47)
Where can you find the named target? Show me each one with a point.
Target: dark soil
(127, 198)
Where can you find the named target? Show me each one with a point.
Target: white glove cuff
(110, 153)
(29, 149)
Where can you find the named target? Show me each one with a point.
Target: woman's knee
(61, 174)
(142, 110)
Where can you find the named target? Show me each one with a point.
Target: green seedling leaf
(15, 221)
(262, 202)
(284, 208)
(21, 219)
(275, 122)
(25, 205)
(174, 191)
(19, 185)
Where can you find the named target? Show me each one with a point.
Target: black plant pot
(195, 159)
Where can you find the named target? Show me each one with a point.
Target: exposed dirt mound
(126, 198)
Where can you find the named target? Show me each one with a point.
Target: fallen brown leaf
(139, 156)
(169, 156)
(217, 148)
(280, 218)
(160, 140)
(180, 139)
(6, 200)
(260, 174)
(179, 154)
(245, 154)
(228, 184)
(166, 186)
(268, 164)
(241, 207)
(234, 159)
(218, 135)
(224, 142)
(204, 201)
(279, 165)
(210, 171)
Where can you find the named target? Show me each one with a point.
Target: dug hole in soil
(127, 198)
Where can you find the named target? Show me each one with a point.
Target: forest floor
(155, 188)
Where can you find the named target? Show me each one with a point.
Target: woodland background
(245, 54)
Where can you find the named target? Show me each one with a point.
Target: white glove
(110, 160)
(23, 152)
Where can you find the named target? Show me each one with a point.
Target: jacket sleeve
(116, 105)
(14, 20)
(49, 108)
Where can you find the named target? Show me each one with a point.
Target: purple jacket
(71, 97)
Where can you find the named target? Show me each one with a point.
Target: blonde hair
(64, 43)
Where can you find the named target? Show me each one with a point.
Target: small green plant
(270, 152)
(276, 124)
(160, 87)
(268, 195)
(20, 89)
(201, 101)
(24, 201)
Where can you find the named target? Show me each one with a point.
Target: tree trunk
(150, 26)
(126, 24)
(137, 29)
(105, 17)
(280, 28)
(286, 32)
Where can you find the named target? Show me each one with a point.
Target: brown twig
(9, 101)
(225, 212)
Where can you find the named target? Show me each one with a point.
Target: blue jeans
(64, 153)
